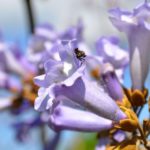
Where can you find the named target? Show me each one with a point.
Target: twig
(29, 9)
(52, 145)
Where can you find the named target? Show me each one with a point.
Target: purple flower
(104, 140)
(74, 32)
(108, 48)
(68, 81)
(72, 84)
(46, 31)
(57, 71)
(111, 83)
(137, 28)
(105, 74)
(5, 103)
(8, 61)
(119, 136)
(12, 61)
(43, 43)
(90, 96)
(63, 117)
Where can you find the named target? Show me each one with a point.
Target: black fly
(79, 54)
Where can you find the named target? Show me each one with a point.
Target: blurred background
(14, 27)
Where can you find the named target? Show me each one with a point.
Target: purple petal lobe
(64, 117)
(112, 85)
(91, 96)
(137, 28)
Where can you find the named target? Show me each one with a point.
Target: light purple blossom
(8, 61)
(108, 48)
(13, 62)
(106, 76)
(89, 95)
(74, 86)
(63, 117)
(111, 83)
(5, 103)
(43, 43)
(119, 135)
(137, 28)
(57, 71)
(73, 32)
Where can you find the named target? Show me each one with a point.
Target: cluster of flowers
(81, 91)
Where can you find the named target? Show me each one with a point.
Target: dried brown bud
(125, 145)
(136, 97)
(129, 124)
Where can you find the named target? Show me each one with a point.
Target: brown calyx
(130, 123)
(29, 89)
(136, 97)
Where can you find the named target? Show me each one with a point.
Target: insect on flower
(79, 54)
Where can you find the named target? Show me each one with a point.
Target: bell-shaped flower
(57, 71)
(89, 95)
(64, 117)
(44, 41)
(67, 79)
(46, 31)
(5, 103)
(111, 83)
(40, 43)
(12, 61)
(8, 61)
(137, 28)
(105, 75)
(108, 48)
(73, 32)
(119, 136)
(8, 82)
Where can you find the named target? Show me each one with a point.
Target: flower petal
(137, 28)
(44, 99)
(109, 49)
(64, 117)
(91, 96)
(111, 83)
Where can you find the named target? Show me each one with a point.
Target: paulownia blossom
(82, 92)
(110, 51)
(43, 42)
(137, 28)
(15, 67)
(73, 92)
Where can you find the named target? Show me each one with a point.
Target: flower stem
(142, 135)
(30, 16)
(139, 111)
(43, 136)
